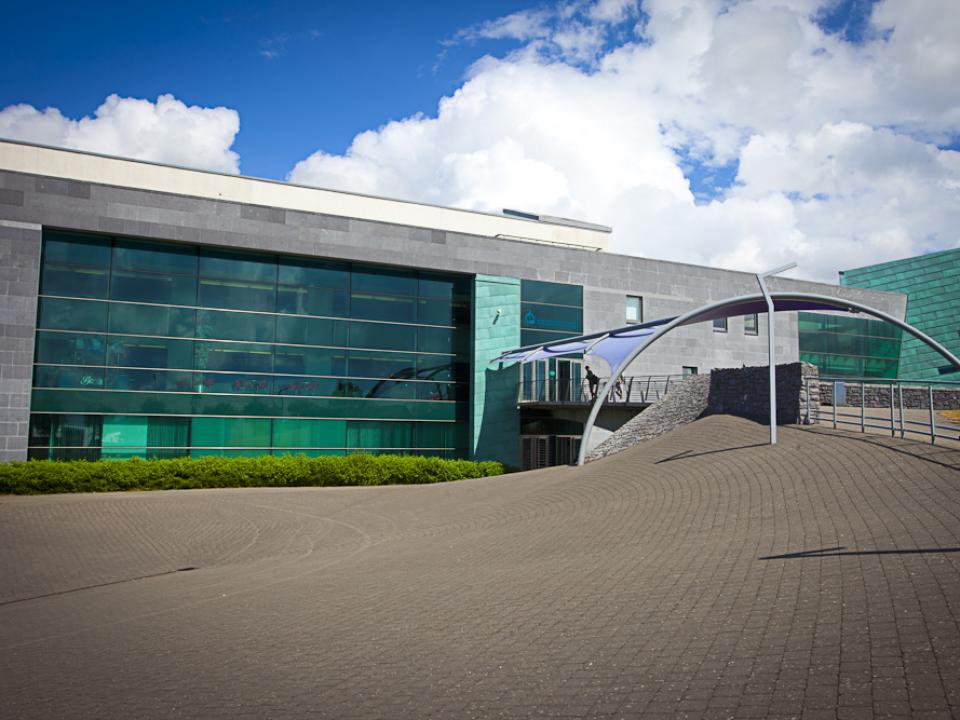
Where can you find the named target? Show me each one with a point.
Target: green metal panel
(495, 422)
(932, 286)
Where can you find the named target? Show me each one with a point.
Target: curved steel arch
(709, 312)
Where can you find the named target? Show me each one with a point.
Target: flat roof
(16, 156)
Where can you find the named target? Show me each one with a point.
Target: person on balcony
(593, 381)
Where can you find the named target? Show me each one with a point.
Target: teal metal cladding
(843, 346)
(932, 286)
(162, 350)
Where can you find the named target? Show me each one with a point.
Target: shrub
(48, 476)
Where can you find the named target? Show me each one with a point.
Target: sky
(740, 134)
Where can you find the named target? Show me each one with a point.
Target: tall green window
(154, 349)
(844, 346)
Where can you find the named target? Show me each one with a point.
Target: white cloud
(166, 131)
(833, 140)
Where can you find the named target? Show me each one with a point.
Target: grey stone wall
(683, 404)
(19, 280)
(745, 392)
(733, 391)
(878, 396)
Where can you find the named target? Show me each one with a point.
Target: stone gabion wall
(745, 392)
(735, 391)
(683, 404)
(878, 396)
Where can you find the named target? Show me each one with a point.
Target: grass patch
(953, 415)
(47, 476)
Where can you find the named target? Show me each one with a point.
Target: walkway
(702, 574)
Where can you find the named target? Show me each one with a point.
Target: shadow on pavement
(831, 552)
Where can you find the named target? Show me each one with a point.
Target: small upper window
(634, 309)
(720, 325)
(750, 324)
(689, 370)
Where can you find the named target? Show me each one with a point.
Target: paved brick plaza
(701, 575)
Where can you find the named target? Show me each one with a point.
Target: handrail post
(893, 428)
(903, 433)
(834, 404)
(933, 417)
(863, 407)
(806, 386)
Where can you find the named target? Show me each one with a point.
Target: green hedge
(46, 476)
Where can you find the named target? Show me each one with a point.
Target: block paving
(700, 575)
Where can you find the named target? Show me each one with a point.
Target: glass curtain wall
(160, 350)
(843, 346)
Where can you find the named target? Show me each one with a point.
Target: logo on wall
(530, 318)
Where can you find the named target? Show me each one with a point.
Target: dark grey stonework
(745, 392)
(683, 404)
(878, 396)
(19, 280)
(729, 391)
(667, 288)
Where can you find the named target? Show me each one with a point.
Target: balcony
(636, 391)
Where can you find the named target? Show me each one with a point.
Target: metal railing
(880, 405)
(634, 390)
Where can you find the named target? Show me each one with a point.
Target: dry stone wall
(878, 396)
(735, 391)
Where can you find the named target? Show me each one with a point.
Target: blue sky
(737, 133)
(304, 76)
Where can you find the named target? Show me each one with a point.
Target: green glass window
(65, 430)
(156, 380)
(235, 326)
(237, 295)
(75, 265)
(312, 301)
(310, 386)
(72, 315)
(76, 250)
(236, 383)
(383, 281)
(436, 311)
(234, 356)
(383, 307)
(442, 391)
(310, 361)
(152, 320)
(552, 318)
(383, 336)
(153, 288)
(154, 257)
(124, 436)
(64, 376)
(311, 331)
(309, 433)
(440, 340)
(238, 266)
(74, 282)
(381, 365)
(70, 348)
(435, 435)
(366, 434)
(149, 352)
(230, 432)
(551, 293)
(250, 405)
(306, 272)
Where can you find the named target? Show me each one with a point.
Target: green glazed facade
(932, 286)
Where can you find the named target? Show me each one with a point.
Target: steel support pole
(933, 417)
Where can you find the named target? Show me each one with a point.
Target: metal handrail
(635, 390)
(894, 420)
